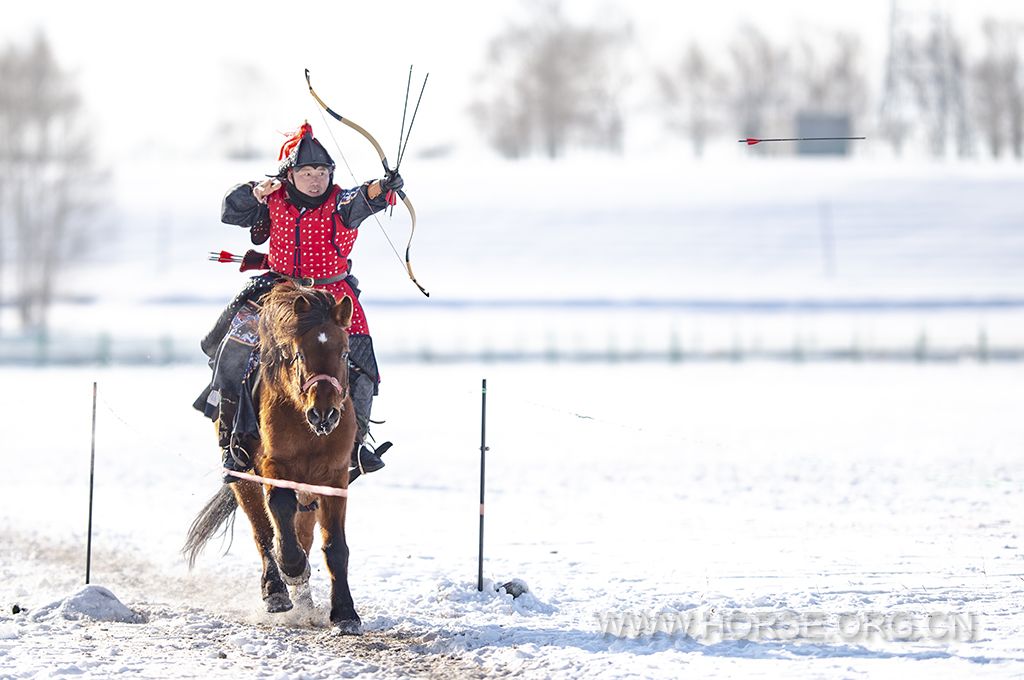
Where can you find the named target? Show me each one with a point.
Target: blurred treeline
(50, 188)
(549, 83)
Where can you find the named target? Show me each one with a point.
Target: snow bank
(91, 602)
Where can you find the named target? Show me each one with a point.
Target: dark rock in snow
(515, 587)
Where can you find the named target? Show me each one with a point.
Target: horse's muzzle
(323, 423)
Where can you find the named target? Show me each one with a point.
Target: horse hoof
(296, 580)
(277, 603)
(302, 596)
(349, 626)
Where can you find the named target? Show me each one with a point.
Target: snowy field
(736, 233)
(723, 519)
(759, 520)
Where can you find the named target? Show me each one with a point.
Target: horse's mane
(279, 324)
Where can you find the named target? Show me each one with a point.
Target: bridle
(323, 377)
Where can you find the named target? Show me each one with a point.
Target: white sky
(156, 75)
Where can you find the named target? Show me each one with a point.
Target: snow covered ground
(754, 520)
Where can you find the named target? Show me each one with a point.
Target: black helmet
(312, 152)
(303, 149)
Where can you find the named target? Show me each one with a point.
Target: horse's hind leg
(290, 556)
(250, 497)
(332, 523)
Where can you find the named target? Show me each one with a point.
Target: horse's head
(305, 352)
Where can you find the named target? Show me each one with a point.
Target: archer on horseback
(312, 225)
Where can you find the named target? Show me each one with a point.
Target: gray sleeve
(355, 205)
(241, 207)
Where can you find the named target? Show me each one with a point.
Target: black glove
(392, 181)
(260, 232)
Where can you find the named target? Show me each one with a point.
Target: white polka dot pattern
(319, 257)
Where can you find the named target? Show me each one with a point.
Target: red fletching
(293, 141)
(224, 256)
(751, 141)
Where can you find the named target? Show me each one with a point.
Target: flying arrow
(751, 141)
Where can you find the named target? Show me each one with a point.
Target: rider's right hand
(265, 188)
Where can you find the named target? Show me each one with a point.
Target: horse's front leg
(250, 497)
(290, 556)
(332, 524)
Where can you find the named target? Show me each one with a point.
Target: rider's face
(311, 180)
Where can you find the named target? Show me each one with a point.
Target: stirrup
(235, 457)
(366, 459)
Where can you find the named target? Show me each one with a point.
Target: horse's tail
(214, 515)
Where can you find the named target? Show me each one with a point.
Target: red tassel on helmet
(293, 141)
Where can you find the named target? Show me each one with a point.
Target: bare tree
(549, 83)
(959, 75)
(830, 74)
(1004, 43)
(692, 97)
(938, 82)
(1015, 85)
(990, 104)
(46, 162)
(761, 84)
(896, 113)
(998, 89)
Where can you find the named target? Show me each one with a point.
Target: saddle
(236, 370)
(256, 288)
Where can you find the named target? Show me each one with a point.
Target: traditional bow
(387, 171)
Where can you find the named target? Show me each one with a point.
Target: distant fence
(41, 349)
(105, 350)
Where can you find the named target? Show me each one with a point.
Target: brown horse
(307, 428)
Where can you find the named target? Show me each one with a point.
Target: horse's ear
(301, 305)
(342, 312)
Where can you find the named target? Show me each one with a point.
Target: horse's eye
(299, 357)
(344, 355)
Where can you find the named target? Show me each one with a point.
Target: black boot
(366, 459)
(362, 380)
(236, 452)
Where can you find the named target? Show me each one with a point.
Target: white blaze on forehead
(322, 337)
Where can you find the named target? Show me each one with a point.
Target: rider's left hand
(391, 185)
(392, 181)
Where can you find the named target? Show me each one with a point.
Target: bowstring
(344, 160)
